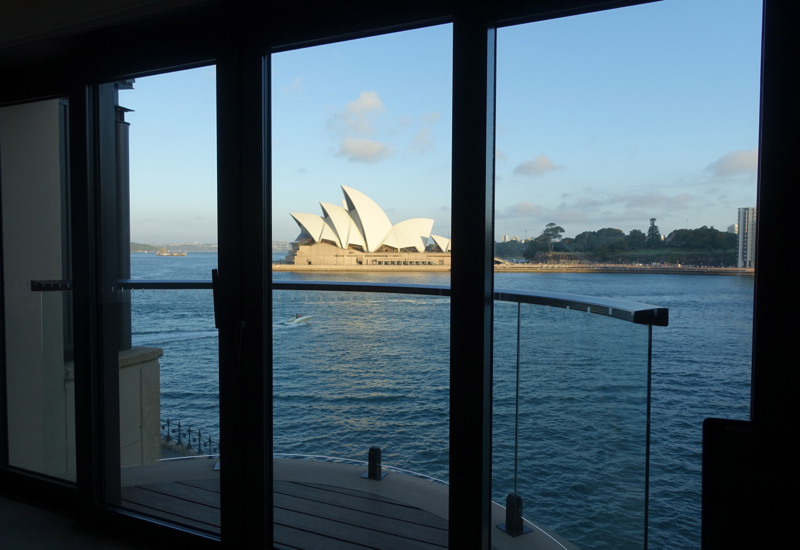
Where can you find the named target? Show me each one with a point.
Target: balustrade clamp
(514, 525)
(374, 465)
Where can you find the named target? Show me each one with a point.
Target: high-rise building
(747, 237)
(733, 228)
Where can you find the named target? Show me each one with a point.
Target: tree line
(609, 241)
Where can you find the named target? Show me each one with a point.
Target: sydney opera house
(359, 233)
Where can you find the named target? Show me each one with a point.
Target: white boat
(298, 320)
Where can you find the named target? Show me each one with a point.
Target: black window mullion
(3, 384)
(85, 337)
(93, 186)
(472, 280)
(244, 283)
(105, 230)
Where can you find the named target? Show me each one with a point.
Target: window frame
(74, 66)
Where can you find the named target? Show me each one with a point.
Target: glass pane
(581, 440)
(361, 146)
(38, 325)
(647, 172)
(363, 129)
(173, 173)
(169, 357)
(366, 370)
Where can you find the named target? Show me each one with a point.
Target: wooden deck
(319, 505)
(306, 515)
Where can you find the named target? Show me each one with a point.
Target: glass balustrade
(169, 408)
(570, 426)
(359, 365)
(354, 370)
(178, 326)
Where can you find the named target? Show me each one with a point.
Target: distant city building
(505, 238)
(734, 228)
(747, 237)
(281, 246)
(515, 238)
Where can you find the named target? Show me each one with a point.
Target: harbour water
(373, 370)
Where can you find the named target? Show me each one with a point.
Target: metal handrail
(632, 312)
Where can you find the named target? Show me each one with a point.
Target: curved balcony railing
(642, 314)
(571, 418)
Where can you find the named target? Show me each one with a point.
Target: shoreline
(654, 270)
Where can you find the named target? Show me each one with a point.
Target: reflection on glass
(38, 325)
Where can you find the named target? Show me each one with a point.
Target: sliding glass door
(160, 247)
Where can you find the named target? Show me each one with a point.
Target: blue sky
(603, 120)
(173, 148)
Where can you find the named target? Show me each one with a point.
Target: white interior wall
(30, 182)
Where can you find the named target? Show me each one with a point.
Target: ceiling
(23, 21)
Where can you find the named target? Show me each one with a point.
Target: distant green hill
(175, 247)
(139, 247)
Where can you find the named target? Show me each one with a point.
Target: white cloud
(366, 102)
(363, 150)
(526, 209)
(536, 167)
(500, 156)
(570, 216)
(581, 204)
(635, 201)
(422, 142)
(345, 124)
(430, 118)
(652, 200)
(356, 118)
(295, 87)
(735, 163)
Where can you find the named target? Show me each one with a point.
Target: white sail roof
(328, 233)
(370, 219)
(362, 222)
(343, 225)
(412, 233)
(441, 242)
(310, 224)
